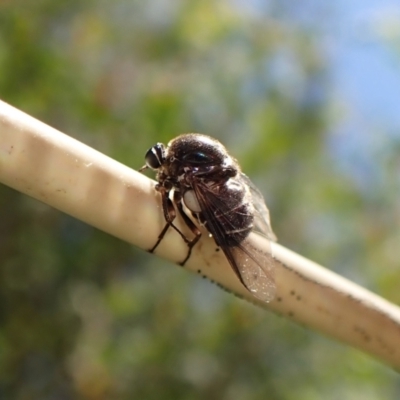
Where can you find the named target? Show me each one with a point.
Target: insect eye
(155, 156)
(197, 158)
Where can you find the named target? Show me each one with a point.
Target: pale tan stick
(43, 163)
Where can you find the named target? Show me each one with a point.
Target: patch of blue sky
(359, 39)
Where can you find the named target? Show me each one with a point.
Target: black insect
(196, 175)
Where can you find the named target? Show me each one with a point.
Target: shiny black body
(200, 174)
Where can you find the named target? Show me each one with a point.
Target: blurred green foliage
(85, 316)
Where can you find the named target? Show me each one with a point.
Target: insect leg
(170, 215)
(190, 224)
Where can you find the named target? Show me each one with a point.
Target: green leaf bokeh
(86, 316)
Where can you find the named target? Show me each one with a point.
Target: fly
(197, 172)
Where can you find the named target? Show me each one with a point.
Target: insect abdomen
(233, 219)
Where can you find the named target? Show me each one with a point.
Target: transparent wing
(255, 266)
(262, 222)
(249, 258)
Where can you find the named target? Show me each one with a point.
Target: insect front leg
(169, 214)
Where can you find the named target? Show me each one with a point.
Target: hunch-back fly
(196, 171)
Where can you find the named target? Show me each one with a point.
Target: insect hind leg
(193, 228)
(170, 215)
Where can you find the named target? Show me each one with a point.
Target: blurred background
(305, 94)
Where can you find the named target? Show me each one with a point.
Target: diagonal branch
(54, 168)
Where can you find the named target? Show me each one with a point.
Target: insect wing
(256, 267)
(262, 223)
(253, 266)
